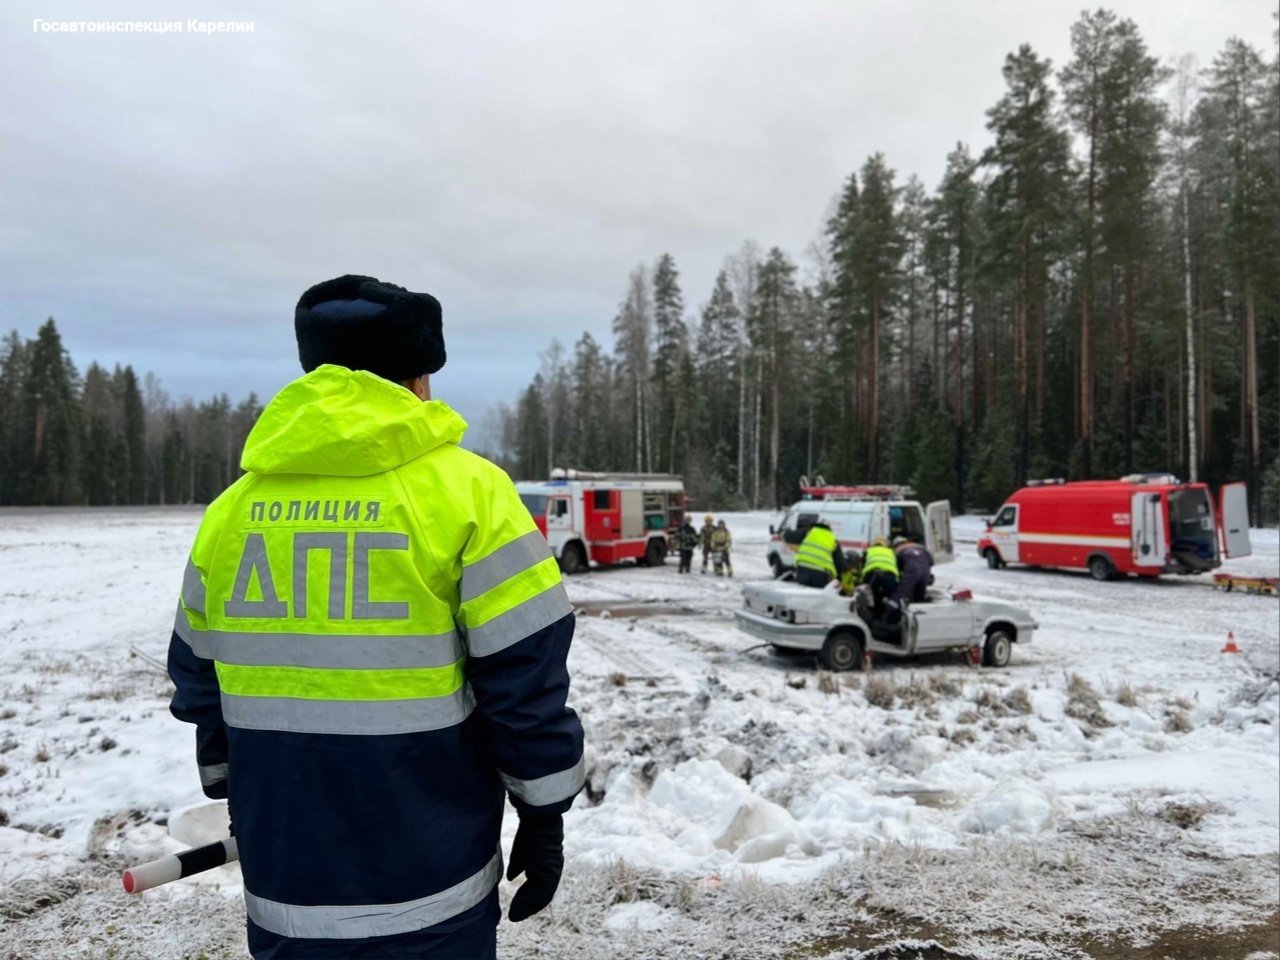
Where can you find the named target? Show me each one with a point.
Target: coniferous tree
(13, 376)
(1031, 162)
(671, 344)
(134, 432)
(49, 441)
(876, 254)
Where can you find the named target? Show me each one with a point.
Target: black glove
(538, 853)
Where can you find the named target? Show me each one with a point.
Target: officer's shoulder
(225, 502)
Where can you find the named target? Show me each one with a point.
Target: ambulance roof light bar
(877, 492)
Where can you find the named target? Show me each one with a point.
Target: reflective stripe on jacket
(817, 549)
(371, 642)
(879, 558)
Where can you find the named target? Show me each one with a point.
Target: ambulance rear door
(938, 531)
(1233, 520)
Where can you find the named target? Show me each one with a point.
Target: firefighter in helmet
(721, 542)
(704, 536)
(820, 558)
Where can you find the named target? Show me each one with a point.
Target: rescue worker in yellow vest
(880, 574)
(371, 643)
(820, 558)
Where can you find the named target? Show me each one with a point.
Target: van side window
(806, 520)
(1006, 517)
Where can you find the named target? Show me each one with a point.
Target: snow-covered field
(1114, 792)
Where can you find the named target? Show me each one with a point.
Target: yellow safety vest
(879, 558)
(337, 587)
(817, 549)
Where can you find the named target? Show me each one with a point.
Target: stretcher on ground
(1235, 581)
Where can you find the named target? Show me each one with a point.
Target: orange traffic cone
(1231, 644)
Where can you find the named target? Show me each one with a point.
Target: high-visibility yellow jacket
(371, 642)
(879, 558)
(819, 551)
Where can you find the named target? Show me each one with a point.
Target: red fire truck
(1144, 524)
(605, 517)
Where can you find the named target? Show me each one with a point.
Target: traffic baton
(180, 865)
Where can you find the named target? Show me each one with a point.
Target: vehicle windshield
(535, 503)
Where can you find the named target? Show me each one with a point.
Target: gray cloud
(168, 197)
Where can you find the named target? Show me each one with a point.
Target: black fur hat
(364, 324)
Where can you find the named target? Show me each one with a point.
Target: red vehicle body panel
(1068, 524)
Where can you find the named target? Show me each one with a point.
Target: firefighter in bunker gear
(686, 541)
(721, 543)
(880, 573)
(820, 558)
(371, 642)
(704, 536)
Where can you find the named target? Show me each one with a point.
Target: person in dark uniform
(915, 566)
(686, 541)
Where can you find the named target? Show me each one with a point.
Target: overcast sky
(168, 197)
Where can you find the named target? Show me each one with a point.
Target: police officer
(708, 528)
(390, 632)
(915, 564)
(880, 573)
(820, 557)
(686, 541)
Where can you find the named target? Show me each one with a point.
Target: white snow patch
(638, 916)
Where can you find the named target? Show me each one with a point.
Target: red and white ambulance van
(1144, 524)
(605, 517)
(857, 516)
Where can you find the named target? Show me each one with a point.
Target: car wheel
(573, 559)
(775, 564)
(1101, 568)
(842, 651)
(655, 554)
(998, 649)
(993, 558)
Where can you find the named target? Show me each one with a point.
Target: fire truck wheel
(998, 649)
(655, 554)
(993, 558)
(572, 559)
(1101, 568)
(842, 651)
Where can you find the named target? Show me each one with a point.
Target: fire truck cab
(858, 515)
(605, 517)
(1143, 524)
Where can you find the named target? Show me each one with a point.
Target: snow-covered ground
(1117, 785)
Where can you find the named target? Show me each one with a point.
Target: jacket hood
(346, 423)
